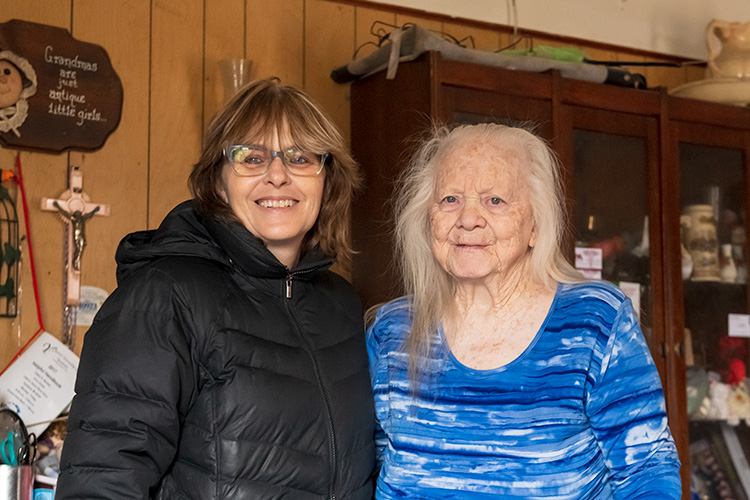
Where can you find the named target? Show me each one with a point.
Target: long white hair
(430, 286)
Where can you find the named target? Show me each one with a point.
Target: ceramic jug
(728, 45)
(699, 237)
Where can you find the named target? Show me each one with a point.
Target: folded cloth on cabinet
(406, 44)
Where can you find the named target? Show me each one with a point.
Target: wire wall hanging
(10, 251)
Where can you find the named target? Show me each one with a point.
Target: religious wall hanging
(56, 92)
(75, 208)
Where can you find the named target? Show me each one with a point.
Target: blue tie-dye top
(579, 415)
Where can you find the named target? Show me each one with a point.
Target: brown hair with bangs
(257, 111)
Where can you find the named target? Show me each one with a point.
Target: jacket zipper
(319, 379)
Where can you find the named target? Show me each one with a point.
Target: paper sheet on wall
(40, 383)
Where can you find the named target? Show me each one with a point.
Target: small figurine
(738, 405)
(718, 392)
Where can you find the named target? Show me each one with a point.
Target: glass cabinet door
(467, 107)
(611, 165)
(713, 236)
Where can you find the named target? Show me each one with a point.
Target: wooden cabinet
(635, 163)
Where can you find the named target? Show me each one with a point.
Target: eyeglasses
(253, 160)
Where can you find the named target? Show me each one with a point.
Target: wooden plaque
(57, 93)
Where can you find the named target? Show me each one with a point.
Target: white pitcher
(728, 45)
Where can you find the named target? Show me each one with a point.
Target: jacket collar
(250, 254)
(185, 232)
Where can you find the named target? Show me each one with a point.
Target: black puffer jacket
(214, 372)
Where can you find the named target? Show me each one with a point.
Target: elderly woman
(502, 373)
(230, 362)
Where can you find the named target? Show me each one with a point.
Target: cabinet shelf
(714, 421)
(714, 287)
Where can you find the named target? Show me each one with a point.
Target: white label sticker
(588, 258)
(739, 325)
(91, 300)
(592, 274)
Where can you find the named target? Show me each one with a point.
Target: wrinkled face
(11, 84)
(277, 207)
(481, 221)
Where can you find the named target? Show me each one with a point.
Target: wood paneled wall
(166, 53)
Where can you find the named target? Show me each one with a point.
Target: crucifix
(75, 208)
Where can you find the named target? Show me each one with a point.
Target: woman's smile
(276, 203)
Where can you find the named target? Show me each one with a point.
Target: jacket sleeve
(625, 405)
(136, 380)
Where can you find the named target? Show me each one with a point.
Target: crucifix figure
(77, 220)
(75, 208)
